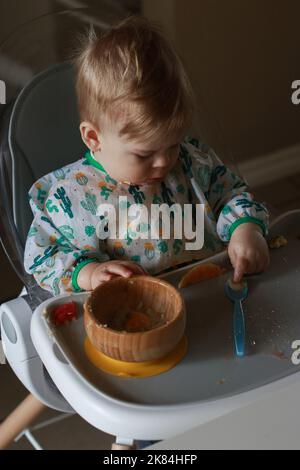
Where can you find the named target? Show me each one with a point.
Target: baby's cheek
(140, 171)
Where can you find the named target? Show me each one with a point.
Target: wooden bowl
(114, 296)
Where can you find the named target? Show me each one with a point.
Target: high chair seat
(43, 135)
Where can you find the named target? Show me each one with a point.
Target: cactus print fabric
(65, 202)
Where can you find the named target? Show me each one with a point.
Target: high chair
(39, 134)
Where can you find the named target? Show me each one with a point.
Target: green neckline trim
(92, 161)
(76, 272)
(244, 220)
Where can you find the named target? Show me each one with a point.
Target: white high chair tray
(210, 380)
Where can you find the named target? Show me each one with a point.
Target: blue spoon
(237, 292)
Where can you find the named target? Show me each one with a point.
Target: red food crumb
(64, 313)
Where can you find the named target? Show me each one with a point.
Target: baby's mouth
(152, 181)
(155, 179)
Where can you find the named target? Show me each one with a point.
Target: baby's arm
(52, 258)
(60, 267)
(62, 252)
(241, 221)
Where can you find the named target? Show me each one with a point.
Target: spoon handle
(239, 328)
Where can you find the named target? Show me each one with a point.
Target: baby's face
(135, 161)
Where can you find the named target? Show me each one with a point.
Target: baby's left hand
(248, 250)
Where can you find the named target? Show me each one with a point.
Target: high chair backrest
(43, 135)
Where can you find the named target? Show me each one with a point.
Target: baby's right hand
(95, 274)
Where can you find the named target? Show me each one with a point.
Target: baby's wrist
(85, 276)
(248, 227)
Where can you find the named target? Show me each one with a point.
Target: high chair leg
(22, 416)
(123, 444)
(120, 447)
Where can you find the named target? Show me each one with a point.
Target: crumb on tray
(278, 242)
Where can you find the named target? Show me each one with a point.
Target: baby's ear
(90, 135)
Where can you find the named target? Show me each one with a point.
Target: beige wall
(242, 56)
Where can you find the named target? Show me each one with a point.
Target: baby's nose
(161, 161)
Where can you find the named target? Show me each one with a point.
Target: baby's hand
(248, 251)
(94, 274)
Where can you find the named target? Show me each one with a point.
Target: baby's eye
(143, 157)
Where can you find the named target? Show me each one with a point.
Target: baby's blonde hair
(132, 70)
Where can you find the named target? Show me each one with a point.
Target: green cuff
(244, 220)
(77, 270)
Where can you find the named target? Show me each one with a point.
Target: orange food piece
(201, 273)
(137, 321)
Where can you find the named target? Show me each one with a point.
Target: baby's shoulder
(195, 142)
(73, 178)
(78, 173)
(194, 153)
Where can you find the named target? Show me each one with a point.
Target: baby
(135, 105)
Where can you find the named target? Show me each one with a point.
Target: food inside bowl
(134, 320)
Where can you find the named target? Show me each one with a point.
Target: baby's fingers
(240, 269)
(134, 267)
(100, 279)
(120, 270)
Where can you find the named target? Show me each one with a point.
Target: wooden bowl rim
(177, 293)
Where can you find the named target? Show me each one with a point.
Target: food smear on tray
(278, 242)
(200, 273)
